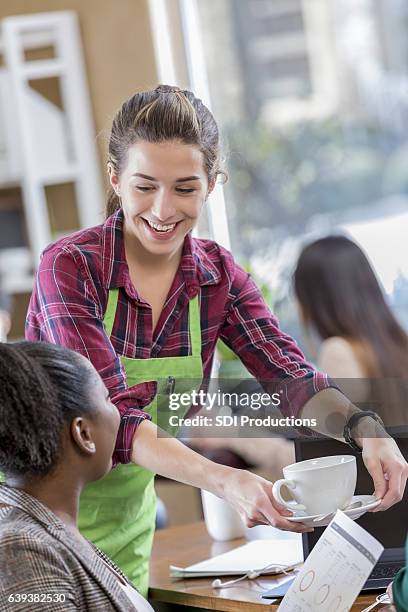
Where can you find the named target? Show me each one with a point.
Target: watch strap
(352, 421)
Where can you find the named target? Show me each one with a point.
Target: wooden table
(189, 544)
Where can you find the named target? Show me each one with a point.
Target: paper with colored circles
(335, 571)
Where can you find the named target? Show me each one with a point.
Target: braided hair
(42, 388)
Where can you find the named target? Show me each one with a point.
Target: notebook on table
(255, 555)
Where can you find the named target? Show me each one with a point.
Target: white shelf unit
(42, 143)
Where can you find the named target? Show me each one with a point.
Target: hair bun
(167, 89)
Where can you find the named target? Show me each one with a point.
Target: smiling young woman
(162, 188)
(146, 302)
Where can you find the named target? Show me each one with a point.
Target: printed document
(336, 569)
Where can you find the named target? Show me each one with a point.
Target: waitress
(146, 302)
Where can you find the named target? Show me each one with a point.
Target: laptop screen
(389, 527)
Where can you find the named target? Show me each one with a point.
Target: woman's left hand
(388, 469)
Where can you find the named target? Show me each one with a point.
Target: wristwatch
(352, 422)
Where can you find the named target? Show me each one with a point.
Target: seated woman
(342, 304)
(57, 433)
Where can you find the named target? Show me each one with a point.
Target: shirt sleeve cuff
(129, 422)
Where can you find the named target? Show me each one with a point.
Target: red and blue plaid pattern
(70, 297)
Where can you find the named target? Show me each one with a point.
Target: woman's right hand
(249, 494)
(252, 498)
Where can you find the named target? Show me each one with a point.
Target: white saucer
(369, 502)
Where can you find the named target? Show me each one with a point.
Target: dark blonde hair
(158, 115)
(340, 296)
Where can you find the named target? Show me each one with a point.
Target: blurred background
(311, 97)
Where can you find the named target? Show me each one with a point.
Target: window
(312, 101)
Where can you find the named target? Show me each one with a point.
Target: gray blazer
(41, 559)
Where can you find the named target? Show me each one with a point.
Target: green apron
(118, 512)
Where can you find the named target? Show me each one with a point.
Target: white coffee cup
(318, 486)
(222, 521)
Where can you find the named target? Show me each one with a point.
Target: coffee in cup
(318, 486)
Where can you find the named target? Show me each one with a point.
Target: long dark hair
(340, 296)
(42, 388)
(158, 115)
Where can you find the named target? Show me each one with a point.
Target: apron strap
(109, 318)
(193, 315)
(195, 326)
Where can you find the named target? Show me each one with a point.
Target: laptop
(389, 527)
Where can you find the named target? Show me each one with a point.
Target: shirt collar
(196, 265)
(30, 505)
(34, 508)
(114, 265)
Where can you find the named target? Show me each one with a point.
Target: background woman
(146, 303)
(58, 430)
(342, 302)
